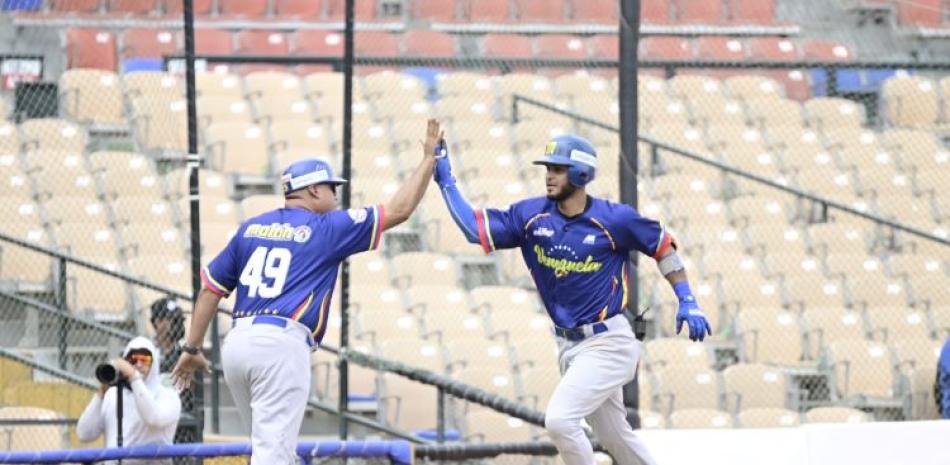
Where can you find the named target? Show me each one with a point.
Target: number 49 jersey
(285, 262)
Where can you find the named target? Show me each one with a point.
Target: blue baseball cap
(307, 172)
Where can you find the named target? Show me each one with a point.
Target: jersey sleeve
(498, 228)
(356, 230)
(221, 275)
(635, 232)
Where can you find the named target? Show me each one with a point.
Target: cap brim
(556, 161)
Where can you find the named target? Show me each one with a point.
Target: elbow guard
(670, 263)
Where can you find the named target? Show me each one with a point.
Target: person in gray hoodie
(150, 410)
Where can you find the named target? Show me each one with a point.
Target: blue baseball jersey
(285, 262)
(580, 265)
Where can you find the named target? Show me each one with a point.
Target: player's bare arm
(407, 198)
(205, 308)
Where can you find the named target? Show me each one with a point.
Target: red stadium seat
(540, 11)
(752, 11)
(262, 42)
(173, 7)
(699, 11)
(674, 48)
(244, 8)
(136, 7)
(298, 8)
(560, 46)
(919, 12)
(74, 6)
(148, 43)
(655, 11)
(506, 45)
(595, 11)
(719, 48)
(434, 10)
(821, 49)
(376, 44)
(213, 41)
(772, 48)
(365, 10)
(318, 42)
(604, 46)
(794, 82)
(90, 48)
(489, 11)
(429, 43)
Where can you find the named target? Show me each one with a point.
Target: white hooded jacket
(150, 410)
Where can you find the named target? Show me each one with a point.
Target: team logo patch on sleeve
(358, 215)
(302, 233)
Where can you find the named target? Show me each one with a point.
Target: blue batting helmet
(307, 172)
(574, 152)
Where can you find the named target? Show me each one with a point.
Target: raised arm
(407, 198)
(461, 211)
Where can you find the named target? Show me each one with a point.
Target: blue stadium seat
(141, 64)
(21, 5)
(850, 80)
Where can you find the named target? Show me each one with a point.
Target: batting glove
(443, 169)
(690, 313)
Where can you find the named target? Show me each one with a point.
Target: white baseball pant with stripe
(593, 372)
(267, 369)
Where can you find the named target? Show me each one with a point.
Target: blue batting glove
(443, 169)
(690, 313)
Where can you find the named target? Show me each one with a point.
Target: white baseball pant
(593, 372)
(267, 369)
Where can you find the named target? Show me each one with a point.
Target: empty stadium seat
(143, 83)
(769, 335)
(90, 48)
(174, 7)
(560, 46)
(421, 267)
(417, 353)
(496, 380)
(244, 9)
(159, 123)
(506, 45)
(540, 11)
(665, 48)
(33, 437)
(823, 49)
(18, 263)
(699, 419)
(768, 418)
(492, 427)
(478, 352)
(489, 11)
(836, 415)
(922, 13)
(720, 48)
(752, 11)
(595, 11)
(699, 11)
(370, 43)
(749, 386)
(238, 148)
(911, 101)
(433, 10)
(772, 48)
(669, 352)
(298, 9)
(213, 41)
(862, 368)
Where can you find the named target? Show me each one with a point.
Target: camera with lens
(106, 373)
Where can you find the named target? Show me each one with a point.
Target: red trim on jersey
(380, 227)
(211, 287)
(482, 233)
(664, 245)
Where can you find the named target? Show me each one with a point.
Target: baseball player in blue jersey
(577, 249)
(283, 265)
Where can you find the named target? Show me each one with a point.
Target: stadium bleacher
(786, 295)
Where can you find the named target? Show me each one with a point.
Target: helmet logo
(550, 148)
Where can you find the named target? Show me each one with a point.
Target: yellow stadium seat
(911, 101)
(388, 83)
(538, 351)
(417, 353)
(51, 134)
(160, 122)
(475, 352)
(662, 353)
(415, 268)
(221, 109)
(465, 83)
(32, 437)
(827, 113)
(768, 418)
(778, 115)
(754, 89)
(211, 184)
(836, 415)
(169, 271)
(91, 95)
(143, 83)
(221, 84)
(862, 368)
(688, 86)
(378, 331)
(266, 84)
(408, 404)
(283, 107)
(89, 290)
(9, 139)
(700, 419)
(238, 148)
(19, 263)
(492, 427)
(769, 335)
(682, 387)
(753, 385)
(496, 380)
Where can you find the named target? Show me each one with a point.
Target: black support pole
(347, 170)
(194, 163)
(64, 308)
(629, 159)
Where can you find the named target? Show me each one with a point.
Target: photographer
(150, 411)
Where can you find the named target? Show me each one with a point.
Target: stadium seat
(434, 10)
(672, 352)
(890, 324)
(478, 352)
(655, 11)
(389, 83)
(699, 419)
(752, 11)
(408, 404)
(148, 43)
(862, 368)
(131, 7)
(772, 48)
(814, 290)
(699, 11)
(213, 41)
(515, 326)
(417, 353)
(536, 352)
(603, 46)
(768, 418)
(823, 49)
(143, 210)
(911, 101)
(720, 48)
(372, 43)
(18, 263)
(174, 7)
(748, 386)
(496, 380)
(90, 48)
(238, 148)
(303, 9)
(489, 11)
(665, 48)
(210, 183)
(753, 89)
(217, 109)
(506, 45)
(260, 42)
(836, 415)
(769, 335)
(493, 299)
(90, 290)
(146, 238)
(39, 436)
(651, 420)
(91, 96)
(907, 265)
(318, 42)
(254, 205)
(218, 85)
(560, 46)
(299, 137)
(923, 13)
(421, 267)
(164, 270)
(682, 387)
(597, 11)
(336, 10)
(250, 9)
(75, 6)
(540, 11)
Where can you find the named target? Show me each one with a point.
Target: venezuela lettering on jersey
(562, 266)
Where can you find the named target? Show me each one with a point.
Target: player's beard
(564, 193)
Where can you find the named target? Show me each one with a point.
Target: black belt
(577, 334)
(275, 321)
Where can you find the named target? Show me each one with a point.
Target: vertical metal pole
(61, 301)
(629, 159)
(440, 416)
(347, 168)
(832, 71)
(194, 163)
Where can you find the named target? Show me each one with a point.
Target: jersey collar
(590, 202)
